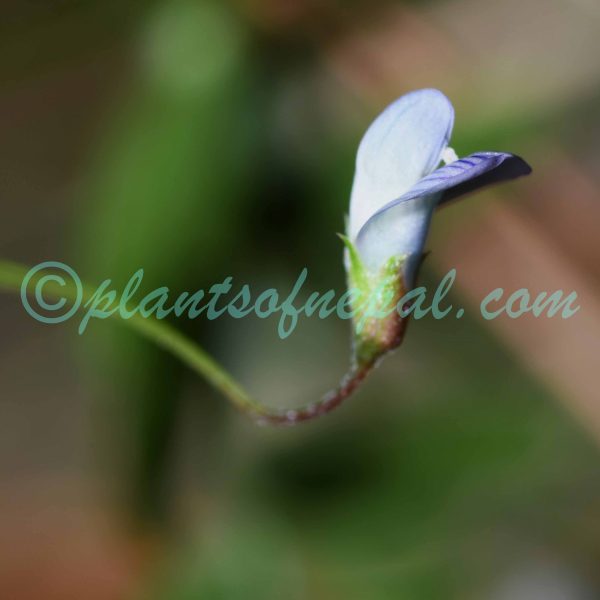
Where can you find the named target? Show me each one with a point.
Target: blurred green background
(201, 139)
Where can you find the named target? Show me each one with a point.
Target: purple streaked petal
(467, 175)
(401, 226)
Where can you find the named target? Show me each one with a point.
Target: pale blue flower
(398, 185)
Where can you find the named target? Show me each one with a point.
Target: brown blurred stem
(328, 403)
(170, 339)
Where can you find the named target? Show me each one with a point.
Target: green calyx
(377, 325)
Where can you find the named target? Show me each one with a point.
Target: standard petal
(402, 145)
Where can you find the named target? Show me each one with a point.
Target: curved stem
(170, 339)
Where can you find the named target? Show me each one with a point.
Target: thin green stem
(170, 339)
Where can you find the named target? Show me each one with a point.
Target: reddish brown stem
(328, 403)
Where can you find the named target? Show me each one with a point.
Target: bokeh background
(202, 139)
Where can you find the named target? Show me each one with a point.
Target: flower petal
(469, 174)
(401, 226)
(399, 229)
(401, 146)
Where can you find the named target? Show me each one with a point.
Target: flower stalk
(195, 357)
